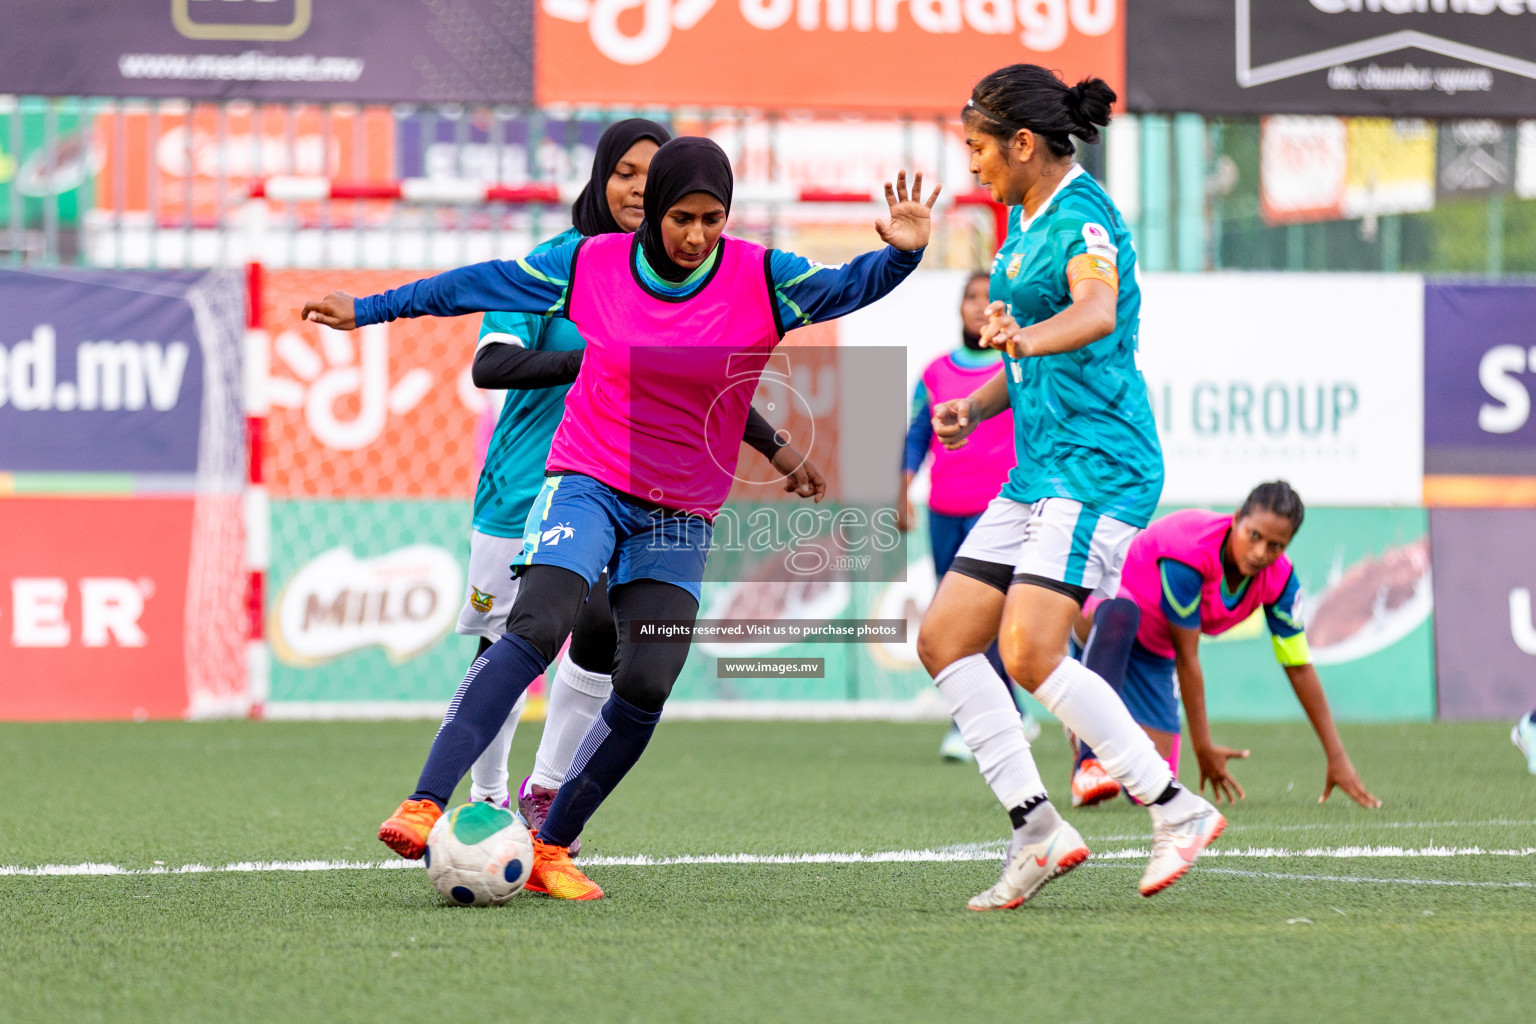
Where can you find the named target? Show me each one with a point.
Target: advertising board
(813, 54)
(1485, 627)
(1424, 58)
(467, 51)
(93, 596)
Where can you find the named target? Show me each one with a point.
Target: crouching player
(1196, 572)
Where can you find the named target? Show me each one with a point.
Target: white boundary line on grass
(1142, 836)
(969, 852)
(1356, 878)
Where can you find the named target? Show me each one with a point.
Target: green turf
(723, 943)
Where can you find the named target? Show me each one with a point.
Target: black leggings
(594, 641)
(550, 600)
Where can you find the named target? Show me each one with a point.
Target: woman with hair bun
(1065, 310)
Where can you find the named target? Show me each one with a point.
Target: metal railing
(108, 182)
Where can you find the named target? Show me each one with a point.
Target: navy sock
(1108, 650)
(1015, 693)
(485, 698)
(1533, 716)
(614, 742)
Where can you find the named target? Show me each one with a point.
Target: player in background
(537, 358)
(962, 480)
(1066, 309)
(1194, 572)
(1523, 735)
(672, 320)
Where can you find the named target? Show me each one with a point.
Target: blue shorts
(583, 525)
(1151, 690)
(945, 535)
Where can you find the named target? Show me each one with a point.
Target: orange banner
(918, 56)
(156, 164)
(384, 411)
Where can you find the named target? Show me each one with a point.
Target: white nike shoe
(1028, 866)
(1523, 736)
(1181, 829)
(953, 747)
(1031, 727)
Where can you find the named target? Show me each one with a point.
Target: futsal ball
(479, 855)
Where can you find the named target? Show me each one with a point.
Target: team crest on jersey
(1014, 265)
(479, 600)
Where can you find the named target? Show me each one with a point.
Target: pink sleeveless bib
(1192, 536)
(659, 406)
(964, 480)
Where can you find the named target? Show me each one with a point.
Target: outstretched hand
(911, 219)
(338, 310)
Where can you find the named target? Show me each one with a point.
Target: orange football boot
(555, 875)
(1091, 784)
(406, 830)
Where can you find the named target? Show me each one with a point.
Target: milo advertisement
(362, 600)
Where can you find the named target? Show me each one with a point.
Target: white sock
(1085, 703)
(989, 721)
(575, 698)
(488, 775)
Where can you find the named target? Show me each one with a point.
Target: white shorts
(491, 588)
(1054, 539)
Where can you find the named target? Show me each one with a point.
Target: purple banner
(410, 50)
(481, 146)
(100, 371)
(1479, 373)
(1485, 623)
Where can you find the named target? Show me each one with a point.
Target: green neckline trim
(686, 286)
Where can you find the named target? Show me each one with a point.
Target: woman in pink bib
(1194, 572)
(677, 319)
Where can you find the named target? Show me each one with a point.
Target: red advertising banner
(387, 411)
(195, 163)
(923, 56)
(93, 608)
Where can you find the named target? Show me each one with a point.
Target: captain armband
(1089, 266)
(1291, 651)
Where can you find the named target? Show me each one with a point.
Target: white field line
(951, 854)
(1379, 881)
(1310, 826)
(1287, 877)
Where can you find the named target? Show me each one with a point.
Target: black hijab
(590, 213)
(686, 164)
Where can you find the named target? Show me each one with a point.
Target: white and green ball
(479, 855)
